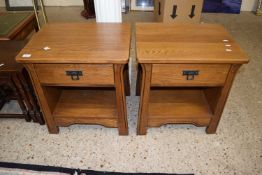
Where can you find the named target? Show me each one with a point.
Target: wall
(247, 5)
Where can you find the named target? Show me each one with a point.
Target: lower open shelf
(178, 106)
(84, 106)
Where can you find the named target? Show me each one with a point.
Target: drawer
(189, 74)
(75, 74)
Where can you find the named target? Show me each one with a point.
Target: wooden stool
(17, 25)
(14, 78)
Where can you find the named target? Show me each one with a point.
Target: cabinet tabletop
(78, 43)
(186, 43)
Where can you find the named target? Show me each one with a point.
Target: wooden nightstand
(79, 73)
(185, 73)
(17, 25)
(14, 77)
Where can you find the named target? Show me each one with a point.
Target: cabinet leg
(39, 117)
(18, 93)
(211, 129)
(121, 99)
(21, 85)
(142, 130)
(144, 99)
(53, 129)
(41, 95)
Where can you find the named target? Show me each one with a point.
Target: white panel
(108, 11)
(249, 5)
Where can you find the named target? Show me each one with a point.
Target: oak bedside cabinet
(185, 73)
(17, 25)
(79, 72)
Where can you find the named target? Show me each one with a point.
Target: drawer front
(189, 74)
(75, 74)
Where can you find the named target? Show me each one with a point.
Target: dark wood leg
(20, 101)
(30, 94)
(39, 117)
(121, 99)
(218, 110)
(22, 92)
(144, 99)
(89, 9)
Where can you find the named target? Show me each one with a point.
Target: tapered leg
(20, 100)
(29, 102)
(211, 129)
(22, 92)
(144, 99)
(52, 127)
(34, 110)
(121, 99)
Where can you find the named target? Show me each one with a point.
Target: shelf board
(178, 106)
(93, 104)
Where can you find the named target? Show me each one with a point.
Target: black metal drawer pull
(74, 74)
(190, 74)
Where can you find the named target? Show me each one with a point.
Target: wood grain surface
(92, 74)
(172, 74)
(79, 43)
(86, 104)
(186, 43)
(178, 106)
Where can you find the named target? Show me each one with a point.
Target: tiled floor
(235, 149)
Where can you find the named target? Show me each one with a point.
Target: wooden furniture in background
(185, 73)
(81, 77)
(89, 9)
(178, 11)
(15, 83)
(17, 25)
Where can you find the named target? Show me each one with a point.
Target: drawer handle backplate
(190, 74)
(74, 74)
